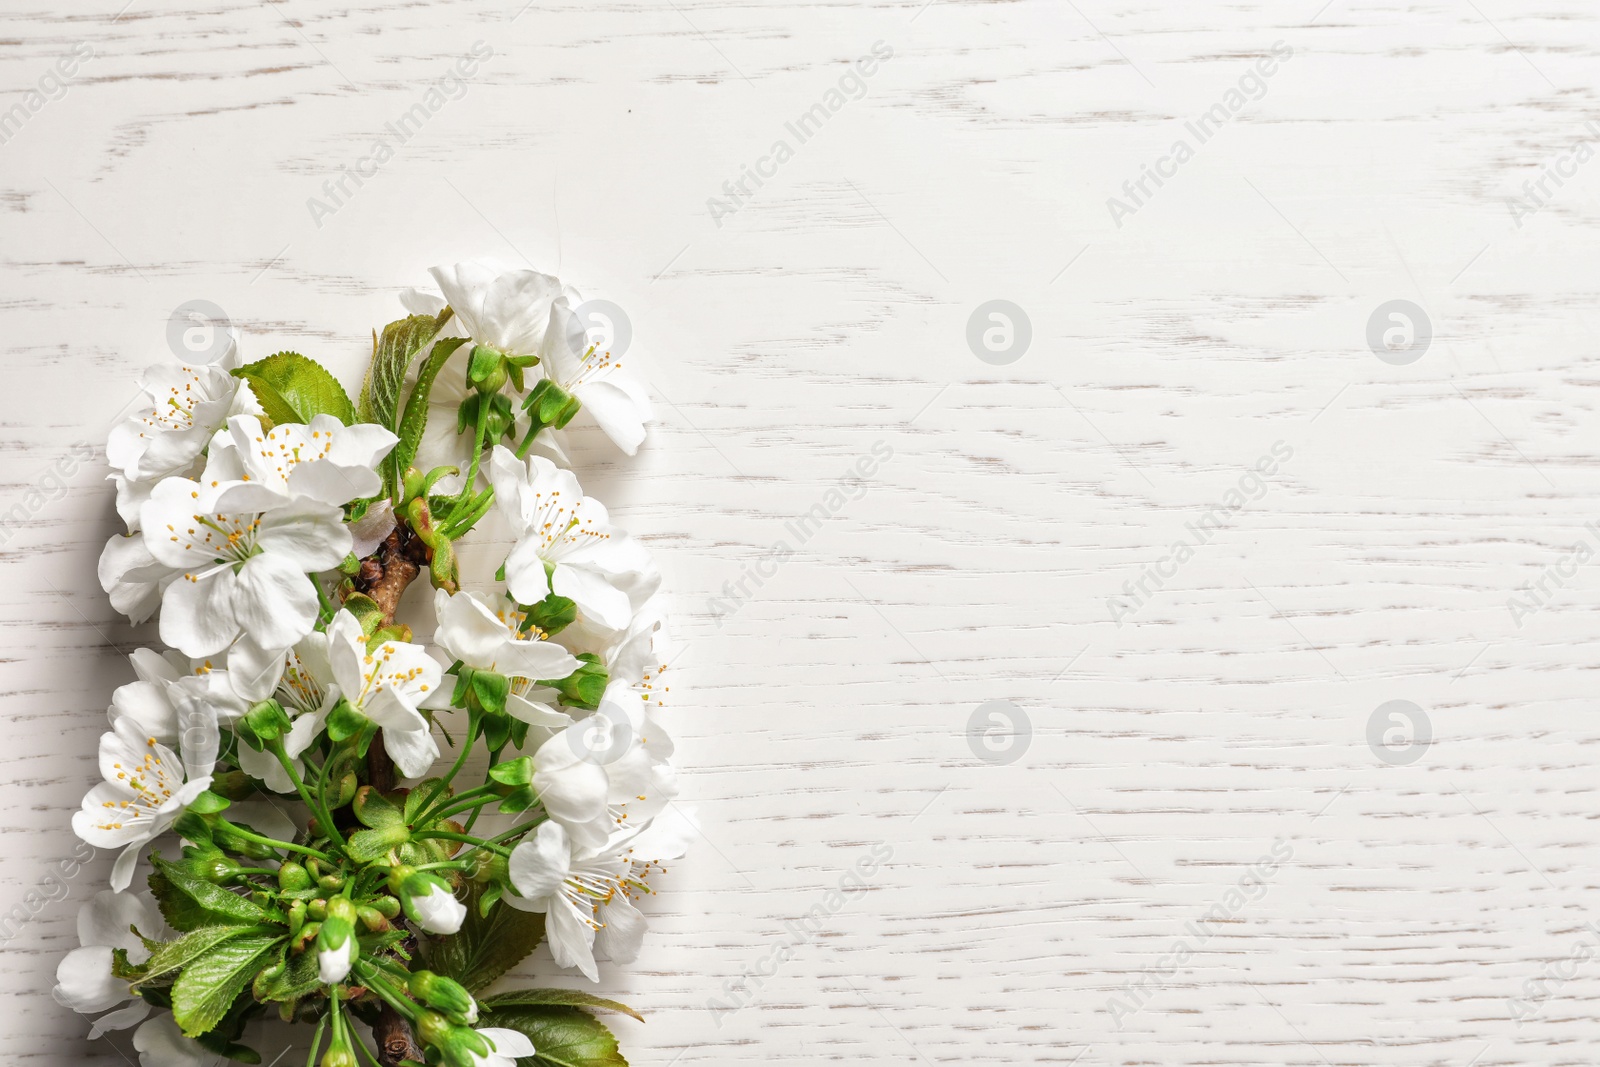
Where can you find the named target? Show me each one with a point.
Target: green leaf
(563, 1036)
(573, 998)
(207, 986)
(174, 955)
(223, 1039)
(415, 418)
(485, 947)
(189, 902)
(392, 354)
(292, 388)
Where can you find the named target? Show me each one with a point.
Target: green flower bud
(434, 1029)
(347, 790)
(388, 907)
(487, 369)
(371, 918)
(292, 877)
(444, 994)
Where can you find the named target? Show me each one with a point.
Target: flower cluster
(273, 525)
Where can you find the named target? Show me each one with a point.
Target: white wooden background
(830, 711)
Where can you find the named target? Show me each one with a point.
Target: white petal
(623, 931)
(333, 964)
(619, 414)
(511, 1043)
(197, 612)
(438, 912)
(525, 574)
(106, 918)
(274, 600)
(161, 1044)
(571, 941)
(594, 595)
(84, 981)
(313, 535)
(538, 865)
(120, 1019)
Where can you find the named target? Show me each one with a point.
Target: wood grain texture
(830, 711)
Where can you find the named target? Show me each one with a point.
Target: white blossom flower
(145, 790)
(598, 567)
(586, 893)
(506, 1047)
(616, 399)
(506, 310)
(324, 460)
(387, 684)
(161, 1043)
(186, 406)
(486, 633)
(240, 569)
(607, 771)
(84, 981)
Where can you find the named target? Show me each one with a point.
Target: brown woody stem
(384, 576)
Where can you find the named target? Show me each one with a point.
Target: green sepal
(489, 691)
(345, 721)
(373, 809)
(518, 771)
(496, 730)
(519, 799)
(193, 827)
(294, 389)
(552, 615)
(235, 785)
(209, 803)
(263, 724)
(367, 846)
(121, 968)
(366, 611)
(549, 405)
(584, 687)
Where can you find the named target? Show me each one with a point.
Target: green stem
(515, 831)
(316, 1040)
(477, 444)
(373, 980)
(280, 845)
(455, 769)
(446, 835)
(318, 808)
(462, 803)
